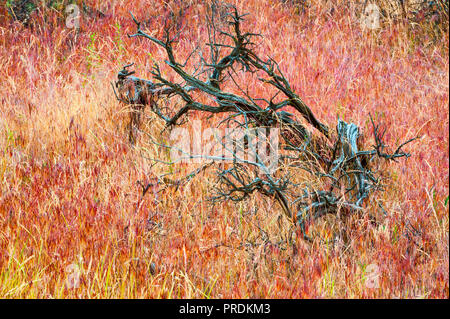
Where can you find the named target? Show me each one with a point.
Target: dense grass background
(68, 174)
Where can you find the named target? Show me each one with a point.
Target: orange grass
(69, 175)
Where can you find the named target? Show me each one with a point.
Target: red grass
(68, 174)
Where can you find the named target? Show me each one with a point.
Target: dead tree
(137, 93)
(336, 173)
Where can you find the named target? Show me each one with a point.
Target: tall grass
(69, 176)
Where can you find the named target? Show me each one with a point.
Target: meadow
(74, 223)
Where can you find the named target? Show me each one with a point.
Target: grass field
(72, 222)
